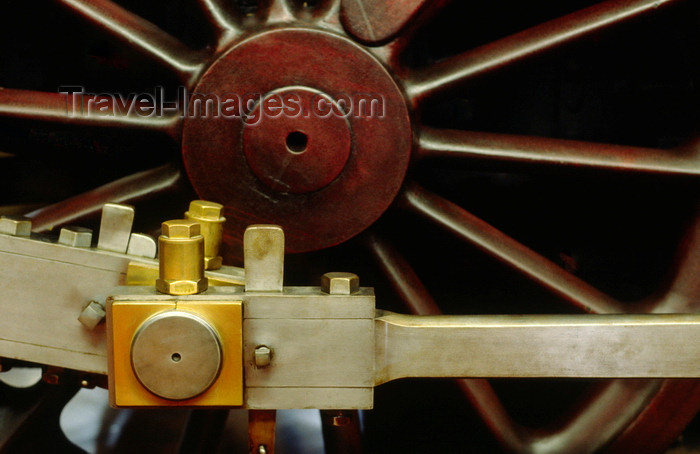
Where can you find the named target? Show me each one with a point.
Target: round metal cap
(176, 355)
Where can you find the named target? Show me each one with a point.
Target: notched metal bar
(591, 346)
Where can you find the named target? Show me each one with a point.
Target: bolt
(52, 375)
(263, 356)
(15, 225)
(341, 420)
(262, 449)
(181, 258)
(181, 229)
(75, 237)
(340, 283)
(92, 315)
(203, 209)
(336, 418)
(208, 214)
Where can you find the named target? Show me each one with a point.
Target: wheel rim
(384, 30)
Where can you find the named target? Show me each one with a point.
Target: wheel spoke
(402, 277)
(140, 35)
(280, 11)
(25, 107)
(483, 398)
(685, 285)
(329, 13)
(134, 188)
(375, 22)
(218, 16)
(453, 72)
(599, 419)
(642, 434)
(418, 300)
(577, 434)
(495, 243)
(454, 145)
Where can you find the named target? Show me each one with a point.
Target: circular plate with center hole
(176, 355)
(324, 160)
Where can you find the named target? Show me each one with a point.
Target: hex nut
(179, 288)
(208, 214)
(263, 356)
(75, 237)
(213, 263)
(336, 283)
(341, 420)
(15, 225)
(204, 209)
(92, 315)
(181, 229)
(53, 375)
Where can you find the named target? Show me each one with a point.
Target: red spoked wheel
(330, 166)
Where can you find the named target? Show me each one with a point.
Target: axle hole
(176, 357)
(297, 142)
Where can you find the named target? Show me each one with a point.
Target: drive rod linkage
(283, 347)
(592, 346)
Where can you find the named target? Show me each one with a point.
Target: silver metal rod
(629, 346)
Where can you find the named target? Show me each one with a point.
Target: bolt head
(341, 420)
(15, 225)
(181, 229)
(75, 237)
(336, 283)
(263, 356)
(92, 315)
(171, 287)
(213, 263)
(51, 378)
(203, 209)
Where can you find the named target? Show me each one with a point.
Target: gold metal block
(143, 273)
(127, 321)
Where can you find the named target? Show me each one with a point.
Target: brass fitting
(208, 214)
(181, 248)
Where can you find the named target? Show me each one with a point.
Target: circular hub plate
(280, 153)
(176, 355)
(316, 139)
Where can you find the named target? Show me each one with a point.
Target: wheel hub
(314, 138)
(292, 151)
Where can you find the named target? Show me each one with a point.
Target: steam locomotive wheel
(327, 176)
